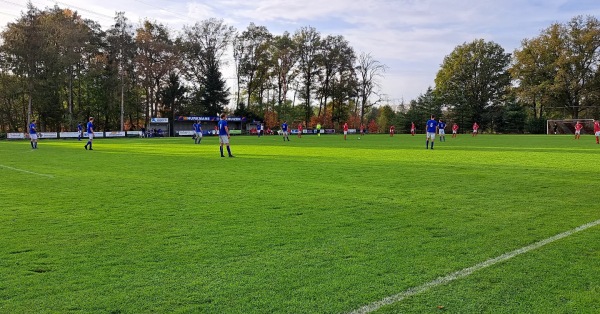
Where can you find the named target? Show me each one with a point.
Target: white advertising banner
(186, 133)
(115, 134)
(47, 135)
(159, 120)
(15, 136)
(69, 134)
(96, 134)
(134, 133)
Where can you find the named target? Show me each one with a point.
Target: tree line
(61, 68)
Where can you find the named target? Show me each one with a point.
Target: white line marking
(467, 271)
(30, 172)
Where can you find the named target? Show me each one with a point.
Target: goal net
(567, 126)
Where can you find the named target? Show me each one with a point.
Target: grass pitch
(314, 225)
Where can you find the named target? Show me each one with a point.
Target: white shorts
(33, 136)
(431, 135)
(345, 132)
(453, 131)
(597, 133)
(577, 131)
(223, 139)
(199, 134)
(412, 130)
(285, 133)
(442, 132)
(91, 135)
(474, 131)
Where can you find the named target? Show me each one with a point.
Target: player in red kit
(412, 128)
(454, 130)
(392, 129)
(578, 128)
(345, 130)
(475, 128)
(300, 129)
(597, 131)
(362, 129)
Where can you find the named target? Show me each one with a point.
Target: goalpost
(567, 126)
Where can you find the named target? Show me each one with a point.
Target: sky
(411, 37)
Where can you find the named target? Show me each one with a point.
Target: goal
(567, 126)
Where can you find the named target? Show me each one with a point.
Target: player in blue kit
(442, 130)
(258, 129)
(197, 132)
(90, 132)
(79, 131)
(224, 134)
(33, 135)
(284, 128)
(432, 127)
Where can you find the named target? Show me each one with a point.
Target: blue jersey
(258, 127)
(222, 126)
(79, 128)
(284, 127)
(90, 127)
(198, 127)
(431, 125)
(32, 128)
(442, 125)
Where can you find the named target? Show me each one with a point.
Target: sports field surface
(314, 225)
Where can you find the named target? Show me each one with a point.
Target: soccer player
(318, 129)
(79, 131)
(90, 131)
(578, 128)
(362, 129)
(454, 130)
(300, 130)
(392, 130)
(555, 128)
(442, 130)
(475, 128)
(345, 130)
(197, 132)
(412, 128)
(284, 128)
(432, 128)
(597, 131)
(33, 135)
(224, 134)
(258, 129)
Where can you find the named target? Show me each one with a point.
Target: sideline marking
(30, 172)
(467, 271)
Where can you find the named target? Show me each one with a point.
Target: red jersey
(412, 126)
(596, 126)
(455, 127)
(345, 127)
(299, 127)
(392, 128)
(475, 126)
(579, 126)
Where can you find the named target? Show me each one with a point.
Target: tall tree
(369, 71)
(308, 45)
(473, 78)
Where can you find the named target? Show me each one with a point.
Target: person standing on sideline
(475, 128)
(258, 129)
(300, 130)
(454, 130)
(197, 132)
(578, 128)
(597, 131)
(33, 134)
(392, 130)
(555, 128)
(79, 131)
(432, 127)
(284, 128)
(90, 132)
(442, 130)
(318, 129)
(224, 134)
(412, 128)
(345, 130)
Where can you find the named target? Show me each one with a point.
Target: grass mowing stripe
(26, 171)
(467, 271)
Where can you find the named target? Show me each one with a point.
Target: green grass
(315, 225)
